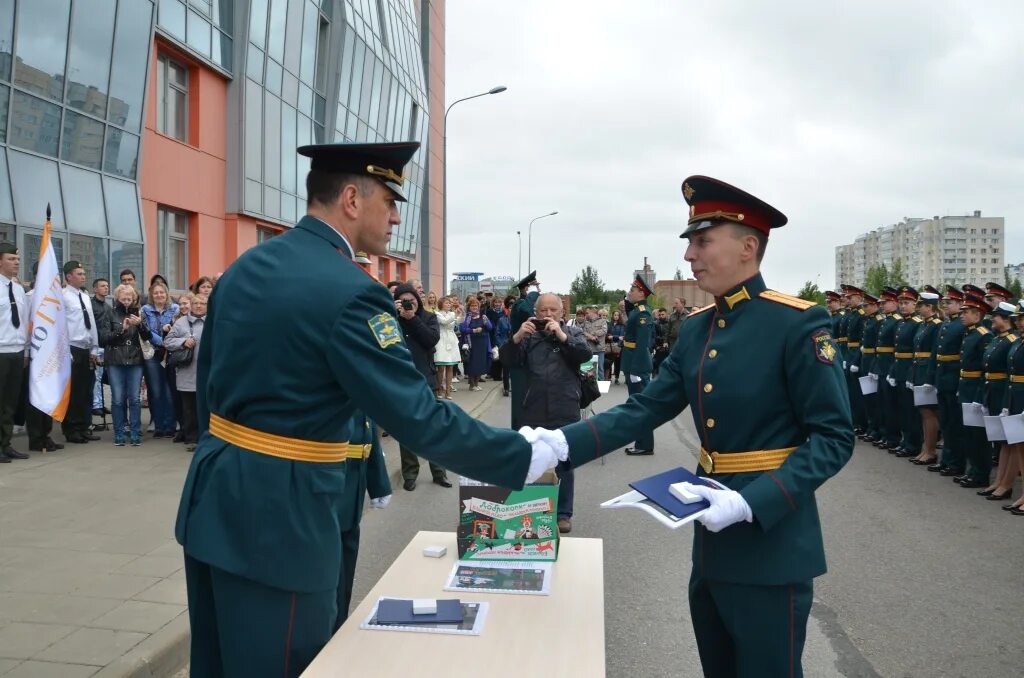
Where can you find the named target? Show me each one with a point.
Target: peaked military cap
(1004, 308)
(972, 300)
(361, 258)
(384, 162)
(908, 292)
(930, 298)
(850, 290)
(833, 296)
(1020, 309)
(712, 201)
(953, 293)
(530, 279)
(889, 294)
(71, 265)
(931, 290)
(997, 290)
(8, 248)
(639, 283)
(973, 289)
(870, 299)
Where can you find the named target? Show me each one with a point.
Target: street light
(519, 276)
(444, 142)
(529, 238)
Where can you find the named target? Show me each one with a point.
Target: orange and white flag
(49, 374)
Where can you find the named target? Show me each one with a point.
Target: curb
(163, 654)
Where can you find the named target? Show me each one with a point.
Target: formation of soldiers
(967, 351)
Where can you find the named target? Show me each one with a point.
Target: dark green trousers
(748, 631)
(979, 453)
(910, 420)
(12, 369)
(951, 422)
(517, 389)
(246, 629)
(645, 439)
(858, 408)
(411, 465)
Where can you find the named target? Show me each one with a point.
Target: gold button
(710, 423)
(721, 322)
(712, 353)
(708, 388)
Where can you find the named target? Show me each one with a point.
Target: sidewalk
(91, 579)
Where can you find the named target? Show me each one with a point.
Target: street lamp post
(519, 269)
(529, 238)
(444, 205)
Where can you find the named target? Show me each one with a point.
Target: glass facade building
(163, 132)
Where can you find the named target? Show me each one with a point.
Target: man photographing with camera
(550, 353)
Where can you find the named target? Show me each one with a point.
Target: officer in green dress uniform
(840, 326)
(283, 371)
(854, 333)
(884, 357)
(758, 371)
(902, 374)
(997, 370)
(947, 379)
(1015, 396)
(521, 311)
(922, 372)
(636, 360)
(972, 389)
(834, 303)
(868, 342)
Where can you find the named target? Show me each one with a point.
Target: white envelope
(994, 429)
(1013, 427)
(926, 395)
(868, 384)
(974, 414)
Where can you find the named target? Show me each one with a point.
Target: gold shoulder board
(787, 300)
(860, 311)
(701, 310)
(918, 319)
(936, 321)
(1012, 337)
(982, 330)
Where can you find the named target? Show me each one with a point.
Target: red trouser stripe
(288, 640)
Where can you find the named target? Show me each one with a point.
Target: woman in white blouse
(446, 353)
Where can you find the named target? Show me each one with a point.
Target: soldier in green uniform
(283, 371)
(521, 311)
(902, 374)
(1015, 397)
(636, 355)
(947, 379)
(884, 357)
(854, 333)
(834, 303)
(758, 371)
(997, 381)
(840, 326)
(923, 373)
(972, 389)
(868, 342)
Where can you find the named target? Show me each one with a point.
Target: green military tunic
(1015, 368)
(902, 371)
(885, 356)
(520, 312)
(947, 381)
(854, 337)
(923, 369)
(636, 362)
(868, 343)
(997, 381)
(972, 390)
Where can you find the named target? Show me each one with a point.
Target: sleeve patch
(385, 329)
(824, 348)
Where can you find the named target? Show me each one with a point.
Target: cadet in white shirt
(85, 348)
(13, 345)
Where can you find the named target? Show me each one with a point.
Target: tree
(678, 275)
(810, 292)
(897, 277)
(1013, 285)
(587, 288)
(877, 278)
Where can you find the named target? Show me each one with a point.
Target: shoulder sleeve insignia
(385, 329)
(824, 348)
(982, 330)
(787, 300)
(643, 320)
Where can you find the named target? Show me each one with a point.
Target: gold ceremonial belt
(385, 173)
(853, 344)
(743, 462)
(970, 374)
(885, 349)
(273, 445)
(629, 344)
(359, 452)
(922, 354)
(948, 357)
(841, 340)
(867, 351)
(904, 356)
(995, 376)
(1017, 379)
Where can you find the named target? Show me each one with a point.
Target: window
(265, 233)
(172, 239)
(172, 93)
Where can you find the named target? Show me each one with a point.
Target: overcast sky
(846, 116)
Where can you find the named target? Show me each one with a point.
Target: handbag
(183, 356)
(589, 390)
(147, 349)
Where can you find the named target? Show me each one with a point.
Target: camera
(407, 304)
(540, 324)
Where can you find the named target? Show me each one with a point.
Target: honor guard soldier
(758, 370)
(884, 356)
(990, 301)
(1015, 397)
(868, 342)
(636, 355)
(264, 503)
(996, 368)
(923, 373)
(947, 380)
(996, 294)
(834, 301)
(14, 346)
(840, 325)
(902, 373)
(855, 315)
(972, 388)
(522, 310)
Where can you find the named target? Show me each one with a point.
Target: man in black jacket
(101, 311)
(551, 353)
(421, 335)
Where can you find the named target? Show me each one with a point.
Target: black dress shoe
(14, 454)
(1017, 511)
(78, 440)
(409, 485)
(947, 472)
(904, 453)
(936, 468)
(97, 412)
(37, 448)
(1000, 497)
(1008, 507)
(90, 436)
(983, 493)
(443, 482)
(5, 460)
(636, 452)
(973, 483)
(52, 445)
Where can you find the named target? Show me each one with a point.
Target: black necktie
(15, 318)
(85, 314)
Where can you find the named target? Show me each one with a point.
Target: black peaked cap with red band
(712, 201)
(641, 285)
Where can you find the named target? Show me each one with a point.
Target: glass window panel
(274, 76)
(319, 108)
(272, 132)
(290, 89)
(258, 22)
(377, 93)
(6, 204)
(254, 64)
(31, 243)
(346, 67)
(82, 141)
(304, 136)
(357, 76)
(323, 50)
(34, 183)
(293, 42)
(171, 18)
(81, 190)
(91, 252)
(223, 15)
(6, 37)
(34, 124)
(42, 46)
(122, 153)
(271, 202)
(288, 207)
(204, 6)
(318, 136)
(288, 147)
(131, 59)
(5, 100)
(253, 131)
(364, 96)
(278, 19)
(305, 99)
(253, 196)
(127, 255)
(199, 30)
(310, 29)
(222, 47)
(92, 31)
(122, 210)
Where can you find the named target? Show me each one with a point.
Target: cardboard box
(500, 524)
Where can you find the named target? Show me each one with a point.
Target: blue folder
(656, 487)
(398, 612)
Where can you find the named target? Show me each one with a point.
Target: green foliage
(810, 292)
(897, 278)
(1013, 284)
(877, 278)
(587, 288)
(678, 275)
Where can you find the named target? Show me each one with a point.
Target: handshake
(549, 448)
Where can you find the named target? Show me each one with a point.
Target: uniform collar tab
(745, 291)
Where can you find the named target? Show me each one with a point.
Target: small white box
(435, 551)
(682, 494)
(424, 606)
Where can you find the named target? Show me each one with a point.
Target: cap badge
(688, 192)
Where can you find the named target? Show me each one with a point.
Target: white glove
(544, 457)
(930, 387)
(909, 385)
(1005, 412)
(873, 376)
(844, 364)
(556, 439)
(633, 379)
(380, 502)
(890, 381)
(728, 507)
(854, 369)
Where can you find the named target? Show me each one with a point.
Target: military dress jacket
(839, 331)
(366, 472)
(947, 354)
(885, 350)
(924, 352)
(997, 371)
(906, 330)
(299, 342)
(636, 343)
(522, 310)
(1015, 364)
(855, 336)
(868, 343)
(972, 363)
(759, 371)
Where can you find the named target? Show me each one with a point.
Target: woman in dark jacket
(421, 332)
(121, 337)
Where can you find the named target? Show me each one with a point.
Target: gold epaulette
(1012, 337)
(880, 316)
(787, 300)
(860, 311)
(982, 330)
(935, 321)
(917, 319)
(700, 310)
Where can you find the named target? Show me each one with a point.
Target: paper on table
(603, 386)
(974, 414)
(926, 395)
(1013, 427)
(868, 384)
(994, 429)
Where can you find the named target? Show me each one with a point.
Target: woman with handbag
(159, 315)
(182, 344)
(616, 334)
(124, 338)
